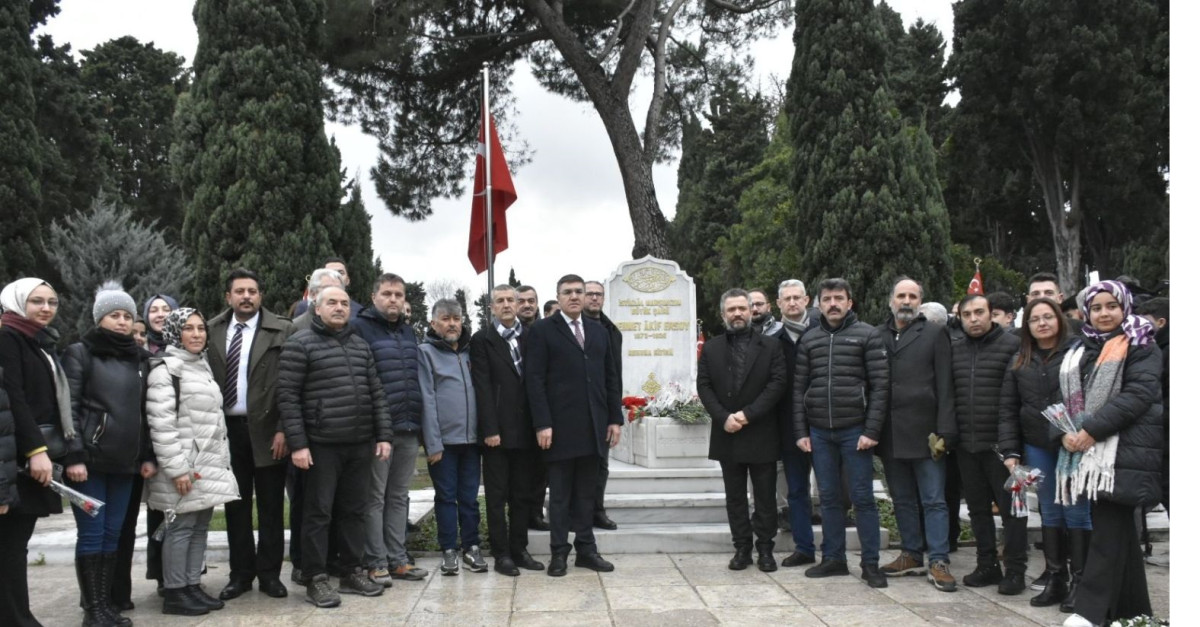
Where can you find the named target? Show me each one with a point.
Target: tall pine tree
(20, 151)
(868, 203)
(260, 180)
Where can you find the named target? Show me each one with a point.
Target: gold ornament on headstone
(649, 279)
(651, 386)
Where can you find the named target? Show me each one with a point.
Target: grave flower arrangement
(672, 401)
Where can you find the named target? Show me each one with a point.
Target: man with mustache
(841, 395)
(922, 403)
(740, 378)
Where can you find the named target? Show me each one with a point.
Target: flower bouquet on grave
(678, 404)
(1021, 483)
(635, 407)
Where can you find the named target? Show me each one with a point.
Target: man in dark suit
(593, 307)
(244, 343)
(740, 379)
(575, 398)
(510, 448)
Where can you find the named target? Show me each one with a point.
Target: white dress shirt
(239, 408)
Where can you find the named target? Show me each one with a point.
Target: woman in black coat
(1120, 413)
(107, 372)
(40, 404)
(1026, 437)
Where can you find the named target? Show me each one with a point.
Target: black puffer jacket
(394, 347)
(841, 378)
(329, 392)
(8, 451)
(108, 374)
(1026, 392)
(979, 366)
(1136, 413)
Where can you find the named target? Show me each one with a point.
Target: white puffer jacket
(193, 443)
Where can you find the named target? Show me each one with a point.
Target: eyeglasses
(594, 294)
(51, 303)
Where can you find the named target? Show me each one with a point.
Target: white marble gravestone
(653, 303)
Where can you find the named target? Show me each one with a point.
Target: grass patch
(425, 539)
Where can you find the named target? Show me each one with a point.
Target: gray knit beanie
(111, 297)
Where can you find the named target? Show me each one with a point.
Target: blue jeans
(924, 480)
(456, 495)
(831, 449)
(102, 534)
(1077, 516)
(796, 466)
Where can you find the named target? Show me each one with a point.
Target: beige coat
(193, 442)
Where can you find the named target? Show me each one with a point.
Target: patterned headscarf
(173, 325)
(1139, 330)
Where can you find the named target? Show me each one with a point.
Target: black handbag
(56, 445)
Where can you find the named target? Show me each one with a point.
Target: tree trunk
(1064, 225)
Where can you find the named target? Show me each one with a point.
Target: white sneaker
(1075, 620)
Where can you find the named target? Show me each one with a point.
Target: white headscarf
(14, 295)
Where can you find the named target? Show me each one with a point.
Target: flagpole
(487, 169)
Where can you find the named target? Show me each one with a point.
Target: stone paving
(645, 589)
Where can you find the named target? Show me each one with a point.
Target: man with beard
(740, 378)
(796, 321)
(922, 405)
(841, 396)
(528, 313)
(593, 307)
(760, 314)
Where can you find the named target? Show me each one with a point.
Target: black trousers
(341, 473)
(983, 476)
(508, 482)
(572, 499)
(540, 486)
(1114, 581)
(15, 531)
(295, 494)
(601, 480)
(953, 497)
(266, 485)
(764, 523)
(122, 586)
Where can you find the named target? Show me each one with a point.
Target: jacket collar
(432, 338)
(849, 320)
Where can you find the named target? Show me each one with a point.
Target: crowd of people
(332, 404)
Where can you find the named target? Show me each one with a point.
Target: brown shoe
(940, 577)
(906, 564)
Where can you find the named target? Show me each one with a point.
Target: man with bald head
(335, 417)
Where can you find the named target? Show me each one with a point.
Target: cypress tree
(20, 150)
(868, 203)
(260, 180)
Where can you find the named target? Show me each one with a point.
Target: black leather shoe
(203, 598)
(526, 561)
(798, 559)
(273, 588)
(766, 561)
(602, 521)
(594, 562)
(234, 589)
(741, 559)
(828, 568)
(873, 577)
(506, 566)
(539, 523)
(558, 566)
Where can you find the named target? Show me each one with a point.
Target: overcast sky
(570, 215)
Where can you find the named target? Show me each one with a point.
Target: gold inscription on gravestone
(649, 279)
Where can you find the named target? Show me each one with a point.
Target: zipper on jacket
(971, 397)
(100, 429)
(466, 397)
(829, 381)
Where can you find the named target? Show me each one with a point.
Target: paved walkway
(646, 589)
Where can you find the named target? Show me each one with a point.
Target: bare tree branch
(749, 8)
(479, 37)
(654, 113)
(616, 34)
(630, 59)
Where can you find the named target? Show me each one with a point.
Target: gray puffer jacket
(449, 416)
(329, 392)
(192, 440)
(841, 378)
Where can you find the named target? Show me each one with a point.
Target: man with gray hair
(320, 278)
(935, 313)
(450, 427)
(797, 464)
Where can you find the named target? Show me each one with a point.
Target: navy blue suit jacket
(573, 390)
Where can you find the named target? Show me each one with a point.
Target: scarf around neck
(1091, 472)
(796, 327)
(47, 339)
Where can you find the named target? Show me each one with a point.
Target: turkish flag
(976, 285)
(503, 195)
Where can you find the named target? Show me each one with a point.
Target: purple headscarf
(1139, 330)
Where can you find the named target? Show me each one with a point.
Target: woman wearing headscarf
(1111, 388)
(154, 312)
(40, 401)
(187, 427)
(107, 370)
(1031, 385)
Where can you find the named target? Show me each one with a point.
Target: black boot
(87, 572)
(108, 571)
(1054, 546)
(1080, 539)
(178, 601)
